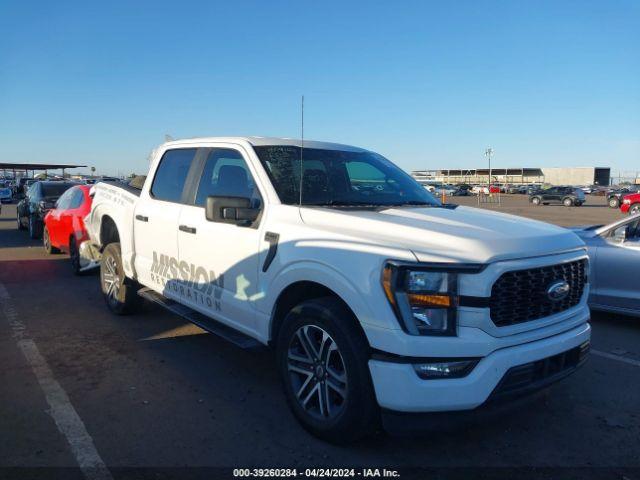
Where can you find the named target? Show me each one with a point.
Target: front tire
(634, 209)
(323, 363)
(120, 293)
(46, 243)
(567, 202)
(536, 201)
(614, 202)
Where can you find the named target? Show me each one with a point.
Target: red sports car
(631, 204)
(64, 228)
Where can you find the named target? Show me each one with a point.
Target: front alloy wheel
(635, 209)
(317, 372)
(323, 357)
(614, 203)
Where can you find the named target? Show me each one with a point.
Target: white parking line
(619, 358)
(61, 410)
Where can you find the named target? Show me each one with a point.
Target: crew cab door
(618, 268)
(155, 222)
(221, 259)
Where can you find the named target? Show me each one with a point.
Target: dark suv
(567, 196)
(38, 200)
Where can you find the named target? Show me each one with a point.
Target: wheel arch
(108, 231)
(300, 291)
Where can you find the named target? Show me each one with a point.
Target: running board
(230, 334)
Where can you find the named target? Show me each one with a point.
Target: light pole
(488, 152)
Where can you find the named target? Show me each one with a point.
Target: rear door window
(171, 175)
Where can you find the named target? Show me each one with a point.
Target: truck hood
(433, 234)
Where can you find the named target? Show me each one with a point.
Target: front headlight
(425, 299)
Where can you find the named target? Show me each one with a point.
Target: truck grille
(521, 295)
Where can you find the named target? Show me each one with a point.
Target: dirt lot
(594, 211)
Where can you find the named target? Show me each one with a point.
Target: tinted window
(55, 189)
(76, 199)
(226, 174)
(340, 178)
(172, 174)
(63, 201)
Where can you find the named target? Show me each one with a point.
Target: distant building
(577, 175)
(528, 175)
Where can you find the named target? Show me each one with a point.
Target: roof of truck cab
(266, 141)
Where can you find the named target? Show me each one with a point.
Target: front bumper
(398, 387)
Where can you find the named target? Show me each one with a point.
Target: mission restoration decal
(191, 282)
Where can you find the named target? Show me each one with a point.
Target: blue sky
(427, 84)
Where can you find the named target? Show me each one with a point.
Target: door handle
(184, 228)
(142, 218)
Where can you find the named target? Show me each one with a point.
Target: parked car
(614, 253)
(364, 294)
(614, 197)
(448, 190)
(39, 199)
(462, 191)
(6, 194)
(64, 228)
(631, 204)
(478, 189)
(567, 196)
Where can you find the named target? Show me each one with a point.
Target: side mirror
(235, 210)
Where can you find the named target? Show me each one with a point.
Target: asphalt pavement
(150, 395)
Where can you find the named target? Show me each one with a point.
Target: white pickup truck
(375, 296)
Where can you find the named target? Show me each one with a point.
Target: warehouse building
(528, 175)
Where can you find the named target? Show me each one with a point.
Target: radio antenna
(301, 144)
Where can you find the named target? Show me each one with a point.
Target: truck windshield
(340, 178)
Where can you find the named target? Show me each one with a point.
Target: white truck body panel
(217, 270)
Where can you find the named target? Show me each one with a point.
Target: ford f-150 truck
(377, 298)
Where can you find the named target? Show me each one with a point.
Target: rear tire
(614, 202)
(35, 228)
(19, 222)
(46, 243)
(322, 359)
(536, 201)
(120, 293)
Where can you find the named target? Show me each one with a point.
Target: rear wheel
(19, 222)
(535, 200)
(634, 209)
(323, 362)
(46, 243)
(35, 227)
(614, 202)
(567, 202)
(120, 293)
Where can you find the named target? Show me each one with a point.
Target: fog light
(452, 369)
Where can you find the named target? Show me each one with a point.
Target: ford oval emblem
(558, 291)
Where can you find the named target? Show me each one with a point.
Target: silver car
(614, 252)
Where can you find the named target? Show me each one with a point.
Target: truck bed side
(114, 206)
